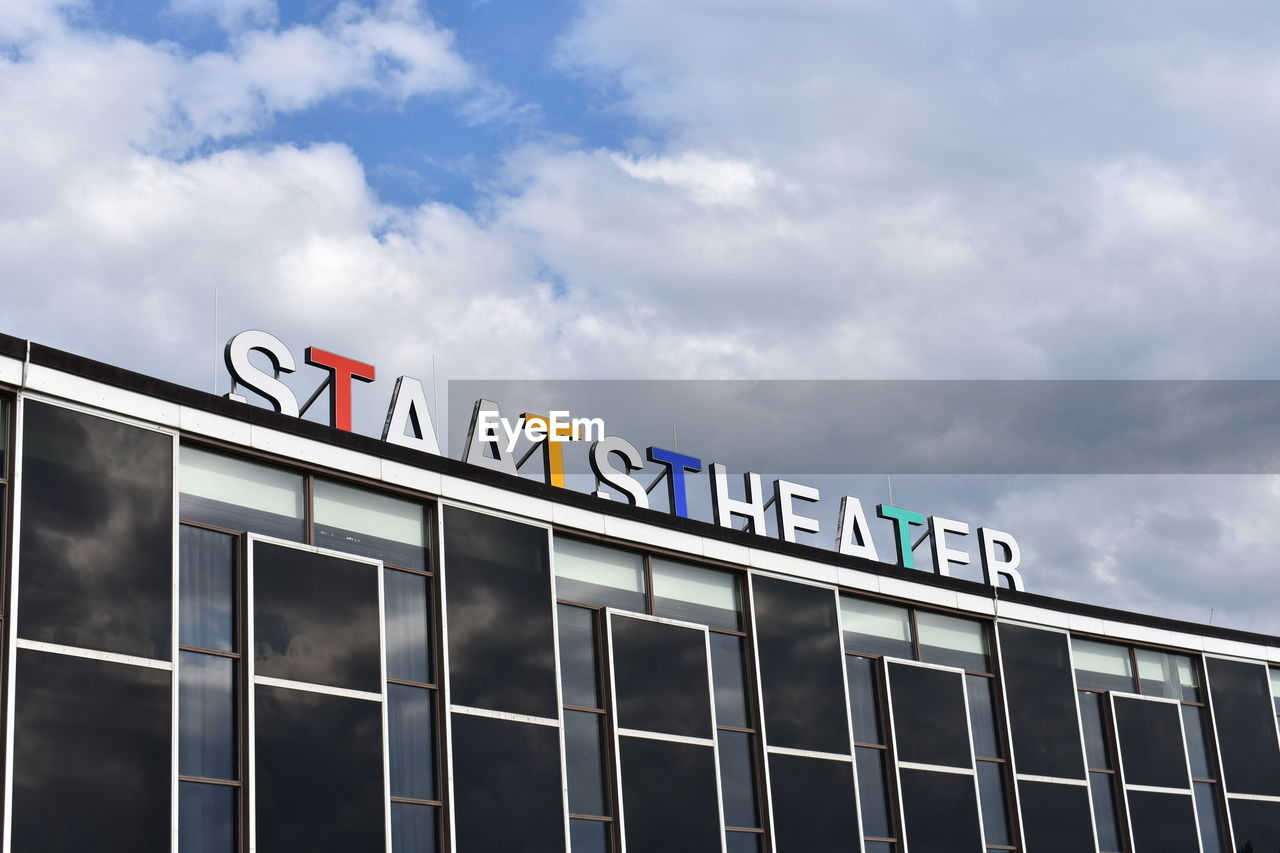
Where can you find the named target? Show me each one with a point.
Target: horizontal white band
(504, 715)
(91, 654)
(307, 687)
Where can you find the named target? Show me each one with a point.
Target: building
(226, 629)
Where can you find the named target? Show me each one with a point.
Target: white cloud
(231, 15)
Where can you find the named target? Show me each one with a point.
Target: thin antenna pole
(435, 404)
(215, 339)
(889, 481)
(675, 439)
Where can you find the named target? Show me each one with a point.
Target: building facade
(230, 630)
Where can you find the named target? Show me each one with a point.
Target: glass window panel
(91, 755)
(584, 759)
(982, 716)
(589, 836)
(411, 735)
(742, 842)
(1102, 789)
(873, 792)
(318, 772)
(929, 720)
(302, 601)
(798, 638)
(594, 574)
(1197, 745)
(952, 642)
(660, 677)
(995, 818)
(879, 847)
(1043, 717)
(669, 796)
(737, 779)
(206, 589)
(728, 663)
(407, 600)
(1096, 747)
(1246, 727)
(240, 495)
(1210, 819)
(1102, 666)
(501, 634)
(206, 716)
(507, 786)
(1256, 823)
(414, 828)
(1275, 688)
(1150, 736)
(864, 699)
(1164, 822)
(940, 811)
(108, 488)
(4, 436)
(696, 594)
(874, 628)
(370, 524)
(1169, 675)
(578, 671)
(813, 805)
(1055, 818)
(207, 818)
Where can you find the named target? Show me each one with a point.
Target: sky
(702, 189)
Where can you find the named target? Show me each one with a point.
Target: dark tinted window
(660, 675)
(728, 663)
(798, 637)
(1055, 818)
(235, 494)
(408, 606)
(507, 786)
(864, 699)
(982, 713)
(1150, 735)
(108, 488)
(583, 739)
(206, 716)
(318, 773)
(1041, 694)
(589, 836)
(940, 812)
(206, 818)
(930, 725)
(1092, 709)
(873, 792)
(669, 796)
(1197, 742)
(413, 827)
(206, 588)
(411, 734)
(737, 781)
(995, 823)
(1246, 726)
(90, 755)
(1256, 822)
(501, 642)
(302, 601)
(813, 805)
(370, 524)
(578, 656)
(742, 842)
(1164, 822)
(1103, 791)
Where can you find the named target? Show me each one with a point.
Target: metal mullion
(739, 729)
(200, 650)
(755, 711)
(650, 604)
(207, 780)
(584, 709)
(405, 682)
(182, 522)
(308, 511)
(244, 684)
(415, 801)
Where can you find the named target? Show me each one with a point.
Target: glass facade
(214, 650)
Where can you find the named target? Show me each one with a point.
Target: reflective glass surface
(578, 671)
(1164, 822)
(302, 602)
(1055, 818)
(319, 772)
(206, 589)
(864, 699)
(742, 842)
(1150, 735)
(1197, 745)
(1092, 708)
(982, 716)
(408, 625)
(1102, 666)
(1275, 688)
(1246, 726)
(206, 818)
(874, 628)
(411, 735)
(583, 734)
(236, 494)
(1102, 789)
(737, 779)
(206, 716)
(589, 836)
(940, 811)
(595, 574)
(1043, 721)
(1210, 821)
(930, 725)
(813, 805)
(506, 786)
(995, 819)
(660, 677)
(728, 663)
(1256, 823)
(1168, 675)
(669, 796)
(696, 594)
(798, 638)
(873, 792)
(91, 755)
(501, 640)
(952, 642)
(108, 488)
(879, 847)
(370, 524)
(414, 828)
(4, 434)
